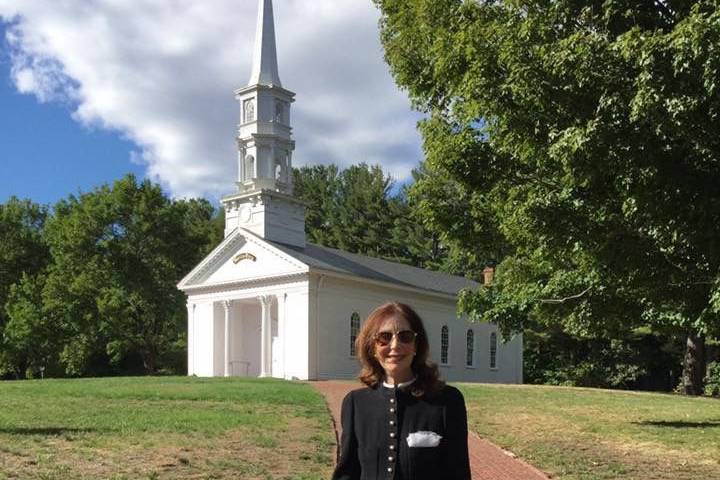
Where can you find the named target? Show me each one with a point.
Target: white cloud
(162, 73)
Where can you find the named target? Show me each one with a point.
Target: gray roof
(326, 258)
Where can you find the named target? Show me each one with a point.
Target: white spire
(265, 67)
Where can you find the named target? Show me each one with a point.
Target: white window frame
(470, 348)
(493, 365)
(245, 117)
(447, 353)
(353, 316)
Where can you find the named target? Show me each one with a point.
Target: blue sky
(46, 155)
(90, 91)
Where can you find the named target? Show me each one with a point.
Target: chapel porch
(238, 337)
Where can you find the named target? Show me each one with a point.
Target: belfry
(263, 202)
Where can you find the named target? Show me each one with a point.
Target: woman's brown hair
(372, 373)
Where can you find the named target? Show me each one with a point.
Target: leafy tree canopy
(582, 140)
(110, 293)
(23, 254)
(23, 248)
(356, 210)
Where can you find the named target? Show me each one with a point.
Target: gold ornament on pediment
(244, 256)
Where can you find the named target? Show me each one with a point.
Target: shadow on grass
(49, 431)
(662, 423)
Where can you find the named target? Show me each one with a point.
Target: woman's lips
(395, 358)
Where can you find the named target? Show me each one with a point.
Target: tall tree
(23, 254)
(31, 341)
(318, 186)
(585, 135)
(118, 253)
(363, 218)
(23, 248)
(357, 210)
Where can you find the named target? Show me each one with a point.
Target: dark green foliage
(30, 342)
(712, 380)
(106, 301)
(638, 361)
(23, 247)
(118, 253)
(318, 186)
(23, 255)
(582, 142)
(355, 210)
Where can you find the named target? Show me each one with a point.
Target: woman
(407, 424)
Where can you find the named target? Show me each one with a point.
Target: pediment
(242, 257)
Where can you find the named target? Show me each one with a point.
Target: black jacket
(376, 423)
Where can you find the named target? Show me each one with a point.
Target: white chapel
(266, 303)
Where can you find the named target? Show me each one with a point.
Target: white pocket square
(423, 439)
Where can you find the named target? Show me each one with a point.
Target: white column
(191, 338)
(227, 305)
(281, 299)
(265, 336)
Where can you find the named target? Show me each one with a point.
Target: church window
(249, 110)
(279, 111)
(493, 350)
(280, 171)
(354, 330)
(249, 167)
(444, 344)
(470, 357)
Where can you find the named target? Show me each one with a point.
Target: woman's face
(396, 357)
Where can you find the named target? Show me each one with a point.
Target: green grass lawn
(190, 428)
(576, 433)
(166, 427)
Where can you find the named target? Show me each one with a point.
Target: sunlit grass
(576, 433)
(168, 427)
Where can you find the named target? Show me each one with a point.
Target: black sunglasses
(384, 338)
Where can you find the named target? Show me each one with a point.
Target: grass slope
(169, 427)
(589, 434)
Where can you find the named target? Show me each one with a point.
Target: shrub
(712, 380)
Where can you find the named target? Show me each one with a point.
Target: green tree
(23, 248)
(23, 255)
(414, 242)
(318, 186)
(356, 210)
(584, 135)
(30, 344)
(363, 218)
(118, 253)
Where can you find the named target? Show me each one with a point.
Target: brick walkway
(487, 461)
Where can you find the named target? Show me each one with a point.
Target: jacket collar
(399, 385)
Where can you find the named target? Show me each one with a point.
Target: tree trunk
(694, 365)
(149, 357)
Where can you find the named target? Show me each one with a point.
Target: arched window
(444, 344)
(493, 350)
(249, 167)
(279, 111)
(470, 357)
(354, 329)
(281, 171)
(249, 110)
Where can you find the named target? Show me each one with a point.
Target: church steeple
(265, 67)
(263, 202)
